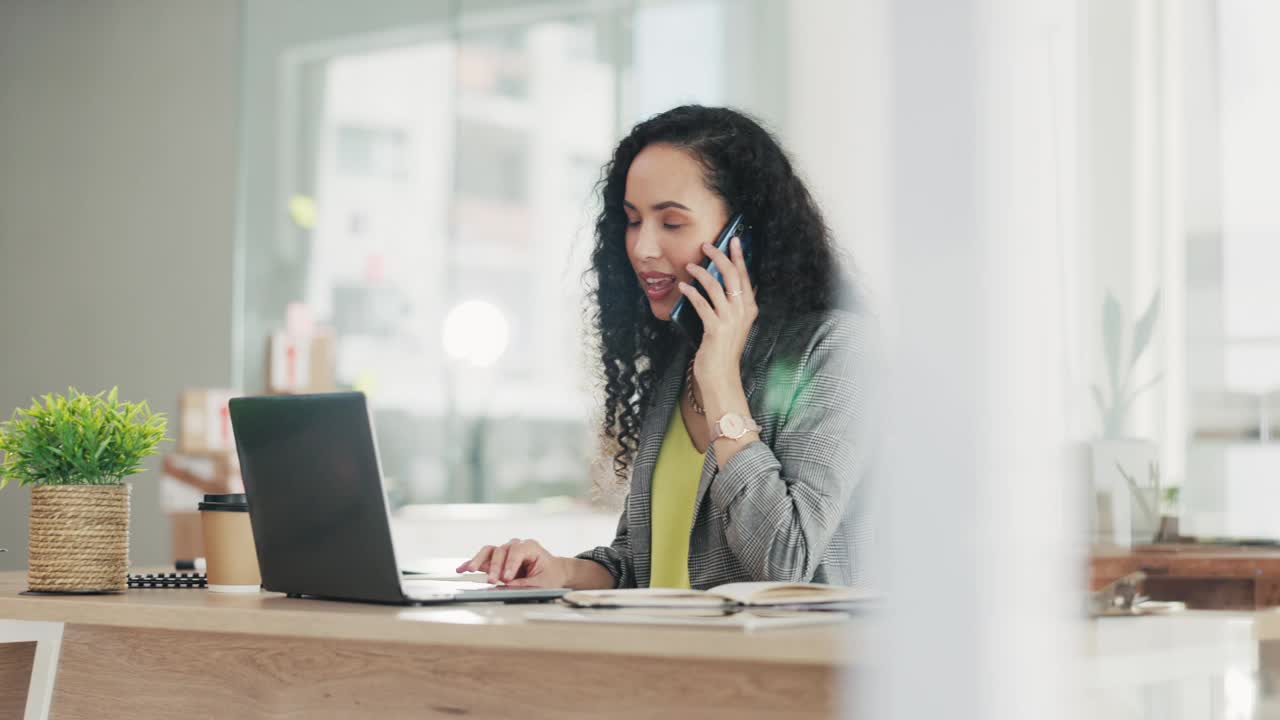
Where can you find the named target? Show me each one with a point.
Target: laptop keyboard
(475, 577)
(414, 587)
(459, 589)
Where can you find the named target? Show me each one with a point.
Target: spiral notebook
(160, 581)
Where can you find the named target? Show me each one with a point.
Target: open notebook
(750, 594)
(737, 618)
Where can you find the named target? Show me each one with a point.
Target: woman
(743, 456)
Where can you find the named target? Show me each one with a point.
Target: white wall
(117, 175)
(1138, 212)
(836, 119)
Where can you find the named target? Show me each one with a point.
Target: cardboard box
(188, 478)
(204, 423)
(186, 542)
(301, 363)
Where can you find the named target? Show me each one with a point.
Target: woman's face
(670, 214)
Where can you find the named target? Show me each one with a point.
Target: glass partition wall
(421, 177)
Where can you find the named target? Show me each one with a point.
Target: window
(1231, 161)
(448, 165)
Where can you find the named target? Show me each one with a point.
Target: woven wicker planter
(79, 538)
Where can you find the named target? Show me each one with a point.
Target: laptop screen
(316, 502)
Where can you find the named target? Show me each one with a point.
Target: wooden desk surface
(1210, 577)
(1192, 552)
(270, 657)
(476, 625)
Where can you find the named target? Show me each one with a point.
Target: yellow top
(675, 487)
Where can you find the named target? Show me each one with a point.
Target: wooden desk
(1205, 577)
(170, 653)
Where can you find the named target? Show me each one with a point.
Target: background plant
(1120, 368)
(78, 439)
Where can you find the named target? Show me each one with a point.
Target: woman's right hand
(519, 563)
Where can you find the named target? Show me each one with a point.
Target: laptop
(318, 509)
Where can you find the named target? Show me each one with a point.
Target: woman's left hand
(726, 322)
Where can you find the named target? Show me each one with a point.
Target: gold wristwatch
(733, 426)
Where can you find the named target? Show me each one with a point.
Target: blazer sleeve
(782, 504)
(616, 557)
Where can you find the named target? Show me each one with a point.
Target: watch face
(732, 425)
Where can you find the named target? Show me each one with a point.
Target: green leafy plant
(1119, 366)
(78, 439)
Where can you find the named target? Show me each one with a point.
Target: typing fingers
(479, 562)
(497, 561)
(516, 557)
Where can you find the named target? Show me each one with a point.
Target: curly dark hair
(794, 267)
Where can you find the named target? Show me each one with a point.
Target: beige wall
(117, 185)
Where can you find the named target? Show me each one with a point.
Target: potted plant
(76, 451)
(1126, 470)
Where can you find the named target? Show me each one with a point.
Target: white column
(983, 544)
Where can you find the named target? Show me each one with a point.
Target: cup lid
(231, 502)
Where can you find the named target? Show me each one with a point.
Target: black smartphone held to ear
(684, 315)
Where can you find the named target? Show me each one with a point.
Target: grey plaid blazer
(794, 506)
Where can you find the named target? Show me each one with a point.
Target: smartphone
(685, 315)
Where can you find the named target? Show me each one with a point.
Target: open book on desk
(739, 618)
(798, 596)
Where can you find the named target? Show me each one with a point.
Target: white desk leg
(44, 669)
